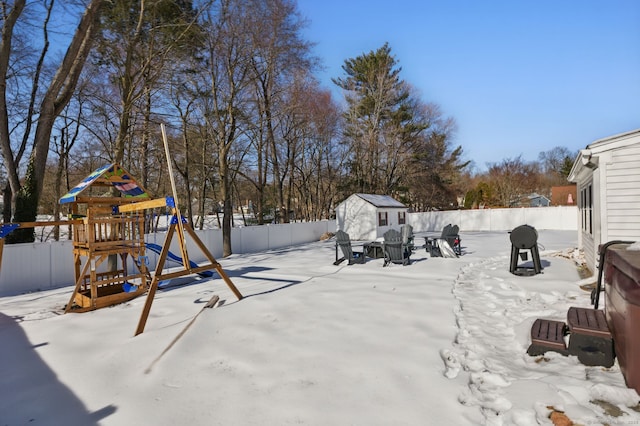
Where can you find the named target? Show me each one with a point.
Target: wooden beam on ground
(212, 302)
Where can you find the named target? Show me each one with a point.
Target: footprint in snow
(451, 363)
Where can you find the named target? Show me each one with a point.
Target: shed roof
(109, 175)
(381, 200)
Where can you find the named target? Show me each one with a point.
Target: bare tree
(26, 196)
(10, 17)
(183, 162)
(279, 54)
(310, 131)
(512, 179)
(227, 61)
(63, 144)
(134, 51)
(555, 164)
(433, 176)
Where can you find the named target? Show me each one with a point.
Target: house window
(590, 209)
(383, 220)
(401, 218)
(586, 208)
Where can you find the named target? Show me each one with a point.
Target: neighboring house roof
(565, 195)
(110, 176)
(381, 200)
(534, 196)
(536, 200)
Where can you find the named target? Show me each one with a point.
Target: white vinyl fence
(559, 217)
(43, 266)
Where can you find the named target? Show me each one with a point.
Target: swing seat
(177, 259)
(129, 288)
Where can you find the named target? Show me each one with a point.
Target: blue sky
(519, 77)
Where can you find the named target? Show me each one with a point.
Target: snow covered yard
(441, 341)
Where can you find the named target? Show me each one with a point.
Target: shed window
(401, 218)
(383, 220)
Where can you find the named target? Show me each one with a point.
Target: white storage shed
(369, 216)
(607, 174)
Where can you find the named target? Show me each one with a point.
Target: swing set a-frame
(179, 224)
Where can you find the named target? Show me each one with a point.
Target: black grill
(524, 237)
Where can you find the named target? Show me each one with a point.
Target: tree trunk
(55, 99)
(203, 186)
(13, 183)
(6, 207)
(144, 149)
(227, 210)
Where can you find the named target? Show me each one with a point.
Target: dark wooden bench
(547, 335)
(588, 321)
(590, 340)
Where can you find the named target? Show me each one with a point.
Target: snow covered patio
(439, 342)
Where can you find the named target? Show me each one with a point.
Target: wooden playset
(109, 250)
(105, 239)
(112, 230)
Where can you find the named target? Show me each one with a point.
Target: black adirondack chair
(450, 233)
(344, 243)
(407, 236)
(395, 251)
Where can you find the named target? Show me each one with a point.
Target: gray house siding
(622, 197)
(607, 174)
